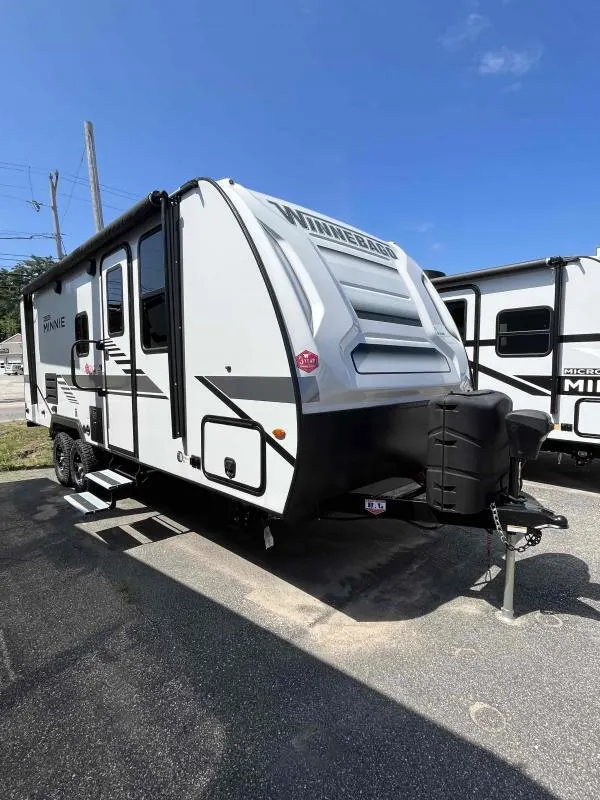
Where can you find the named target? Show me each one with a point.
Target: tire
(83, 460)
(61, 457)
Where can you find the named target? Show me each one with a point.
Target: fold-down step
(109, 479)
(86, 502)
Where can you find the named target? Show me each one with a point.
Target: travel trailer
(274, 355)
(531, 330)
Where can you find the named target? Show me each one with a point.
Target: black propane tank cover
(467, 450)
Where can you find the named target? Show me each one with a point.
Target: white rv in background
(532, 330)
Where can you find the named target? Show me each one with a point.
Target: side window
(114, 295)
(524, 331)
(153, 309)
(458, 312)
(82, 331)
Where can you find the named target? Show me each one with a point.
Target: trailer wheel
(61, 457)
(83, 460)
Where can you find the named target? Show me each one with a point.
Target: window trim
(465, 305)
(148, 350)
(517, 333)
(82, 315)
(108, 330)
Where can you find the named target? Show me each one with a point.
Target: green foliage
(12, 282)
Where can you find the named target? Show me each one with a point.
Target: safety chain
(531, 539)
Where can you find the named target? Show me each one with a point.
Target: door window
(114, 301)
(153, 308)
(82, 331)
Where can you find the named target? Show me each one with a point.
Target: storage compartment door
(587, 418)
(233, 453)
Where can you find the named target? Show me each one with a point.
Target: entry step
(109, 479)
(86, 502)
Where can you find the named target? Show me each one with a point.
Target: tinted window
(524, 332)
(152, 291)
(458, 312)
(114, 294)
(82, 331)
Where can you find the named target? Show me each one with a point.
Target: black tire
(83, 460)
(61, 457)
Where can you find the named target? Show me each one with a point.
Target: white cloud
(437, 246)
(509, 62)
(423, 227)
(464, 32)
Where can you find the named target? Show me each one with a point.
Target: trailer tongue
(473, 478)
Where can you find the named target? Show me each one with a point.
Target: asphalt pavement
(150, 653)
(12, 397)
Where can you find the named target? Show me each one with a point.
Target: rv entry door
(119, 353)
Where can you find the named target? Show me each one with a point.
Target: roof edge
(136, 214)
(508, 269)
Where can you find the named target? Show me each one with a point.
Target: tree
(12, 282)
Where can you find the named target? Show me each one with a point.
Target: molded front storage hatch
(233, 453)
(467, 451)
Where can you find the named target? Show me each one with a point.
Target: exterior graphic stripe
(513, 381)
(271, 389)
(273, 443)
(114, 383)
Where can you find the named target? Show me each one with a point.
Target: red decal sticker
(307, 361)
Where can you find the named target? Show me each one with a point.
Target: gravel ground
(148, 654)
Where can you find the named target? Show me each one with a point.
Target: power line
(73, 186)
(16, 167)
(16, 255)
(12, 185)
(23, 233)
(31, 236)
(87, 200)
(12, 197)
(109, 189)
(36, 203)
(30, 185)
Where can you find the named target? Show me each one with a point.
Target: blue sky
(466, 131)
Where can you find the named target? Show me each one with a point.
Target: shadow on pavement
(547, 470)
(376, 570)
(121, 682)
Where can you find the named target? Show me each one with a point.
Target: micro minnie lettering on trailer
(581, 371)
(581, 386)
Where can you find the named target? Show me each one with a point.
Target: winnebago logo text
(328, 230)
(52, 324)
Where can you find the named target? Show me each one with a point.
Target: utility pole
(53, 177)
(88, 130)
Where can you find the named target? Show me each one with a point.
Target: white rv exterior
(532, 331)
(243, 343)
